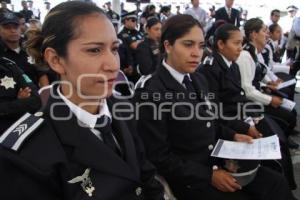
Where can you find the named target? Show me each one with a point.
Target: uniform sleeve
(247, 71)
(20, 180)
(152, 187)
(144, 59)
(20, 106)
(154, 134)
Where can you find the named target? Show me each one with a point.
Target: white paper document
(267, 148)
(286, 84)
(288, 104)
(278, 67)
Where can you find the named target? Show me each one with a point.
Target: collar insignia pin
(86, 182)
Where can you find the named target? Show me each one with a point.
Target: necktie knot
(103, 124)
(188, 83)
(186, 79)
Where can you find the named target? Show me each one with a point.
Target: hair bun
(33, 46)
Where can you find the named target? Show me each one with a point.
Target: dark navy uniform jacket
(129, 36)
(148, 56)
(11, 108)
(225, 84)
(179, 134)
(176, 140)
(21, 60)
(61, 150)
(221, 14)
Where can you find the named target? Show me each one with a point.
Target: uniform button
(138, 191)
(242, 93)
(38, 114)
(208, 124)
(210, 147)
(189, 187)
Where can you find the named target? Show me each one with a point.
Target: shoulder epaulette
(5, 61)
(208, 60)
(142, 81)
(15, 135)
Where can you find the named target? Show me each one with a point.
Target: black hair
(151, 7)
(19, 15)
(176, 27)
(273, 27)
(274, 11)
(165, 9)
(223, 33)
(252, 25)
(59, 28)
(152, 21)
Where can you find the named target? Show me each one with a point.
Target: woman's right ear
(54, 61)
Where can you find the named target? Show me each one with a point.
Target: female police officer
(253, 72)
(148, 50)
(177, 129)
(69, 155)
(18, 94)
(224, 81)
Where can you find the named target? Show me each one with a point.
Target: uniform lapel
(125, 137)
(169, 81)
(88, 150)
(225, 69)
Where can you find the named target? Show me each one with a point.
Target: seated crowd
(188, 83)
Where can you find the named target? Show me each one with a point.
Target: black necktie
(188, 84)
(235, 72)
(104, 126)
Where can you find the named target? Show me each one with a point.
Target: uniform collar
(176, 75)
(82, 115)
(228, 9)
(6, 48)
(274, 43)
(227, 62)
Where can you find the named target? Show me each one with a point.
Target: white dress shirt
(198, 13)
(247, 70)
(85, 118)
(228, 63)
(178, 76)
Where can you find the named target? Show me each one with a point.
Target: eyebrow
(101, 43)
(192, 41)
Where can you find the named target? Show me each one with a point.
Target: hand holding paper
(286, 84)
(261, 149)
